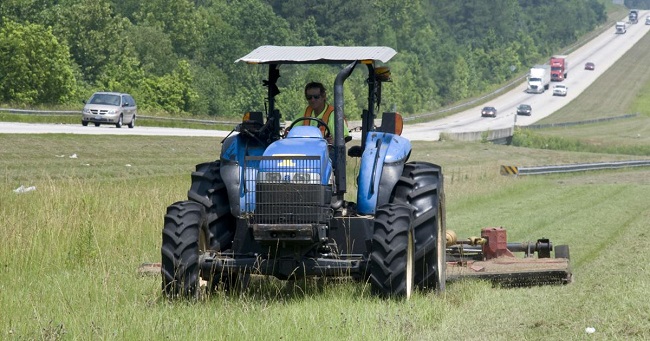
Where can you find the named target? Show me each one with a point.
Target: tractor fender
(233, 151)
(382, 163)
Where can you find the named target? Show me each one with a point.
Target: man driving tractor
(317, 107)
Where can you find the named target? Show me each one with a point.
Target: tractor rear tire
(391, 259)
(421, 186)
(180, 249)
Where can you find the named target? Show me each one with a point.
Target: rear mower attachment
(491, 257)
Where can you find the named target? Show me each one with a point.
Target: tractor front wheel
(217, 234)
(209, 190)
(391, 259)
(180, 249)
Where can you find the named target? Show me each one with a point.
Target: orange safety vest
(325, 118)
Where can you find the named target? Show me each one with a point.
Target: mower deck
(513, 272)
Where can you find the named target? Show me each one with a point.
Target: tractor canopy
(317, 54)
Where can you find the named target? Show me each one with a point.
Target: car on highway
(113, 108)
(647, 20)
(590, 66)
(524, 109)
(560, 90)
(489, 112)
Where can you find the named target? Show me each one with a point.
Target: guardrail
(78, 112)
(43, 112)
(496, 136)
(504, 135)
(578, 167)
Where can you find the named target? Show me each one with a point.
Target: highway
(604, 51)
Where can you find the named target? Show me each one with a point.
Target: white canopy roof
(269, 54)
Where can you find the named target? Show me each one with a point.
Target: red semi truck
(559, 68)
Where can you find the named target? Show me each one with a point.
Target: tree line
(177, 56)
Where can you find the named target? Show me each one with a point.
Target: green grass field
(69, 249)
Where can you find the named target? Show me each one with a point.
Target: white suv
(110, 108)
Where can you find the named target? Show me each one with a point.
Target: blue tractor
(275, 205)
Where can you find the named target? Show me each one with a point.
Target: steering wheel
(315, 119)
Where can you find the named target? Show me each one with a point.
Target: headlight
(271, 177)
(306, 178)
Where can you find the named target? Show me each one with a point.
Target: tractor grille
(285, 190)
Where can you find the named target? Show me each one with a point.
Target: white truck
(620, 27)
(539, 78)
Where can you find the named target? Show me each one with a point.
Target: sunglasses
(312, 97)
